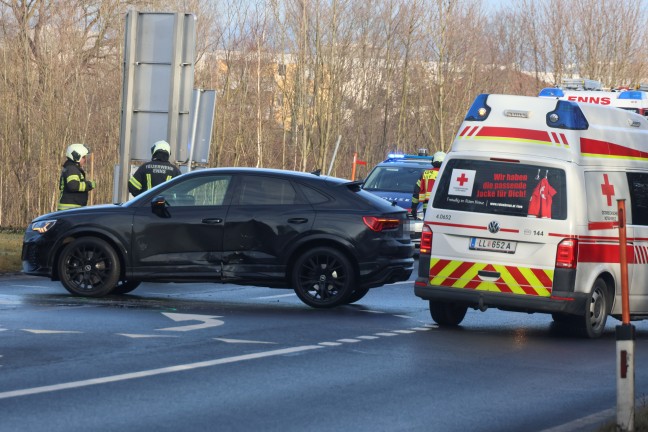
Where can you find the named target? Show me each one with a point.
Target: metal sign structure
(202, 121)
(158, 75)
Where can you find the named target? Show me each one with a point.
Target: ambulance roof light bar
(567, 115)
(581, 84)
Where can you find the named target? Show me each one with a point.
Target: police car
(394, 180)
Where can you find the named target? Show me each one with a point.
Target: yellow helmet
(75, 152)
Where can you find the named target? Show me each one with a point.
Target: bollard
(625, 336)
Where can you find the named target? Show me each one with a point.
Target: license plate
(492, 245)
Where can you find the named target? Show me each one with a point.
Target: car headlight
(43, 226)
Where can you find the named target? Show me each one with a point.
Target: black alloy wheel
(125, 286)
(89, 267)
(323, 278)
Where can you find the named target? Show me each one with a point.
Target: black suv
(325, 237)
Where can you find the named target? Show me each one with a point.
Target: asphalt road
(211, 357)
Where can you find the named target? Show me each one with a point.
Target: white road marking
(348, 340)
(275, 296)
(27, 286)
(142, 336)
(404, 331)
(421, 328)
(403, 316)
(372, 311)
(50, 331)
(152, 372)
(242, 341)
(585, 422)
(330, 343)
(207, 321)
(368, 337)
(386, 334)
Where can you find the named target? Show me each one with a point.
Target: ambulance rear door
(496, 223)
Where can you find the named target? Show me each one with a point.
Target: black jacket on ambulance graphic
(541, 200)
(152, 173)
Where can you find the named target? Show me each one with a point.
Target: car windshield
(394, 178)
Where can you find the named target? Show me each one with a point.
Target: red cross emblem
(607, 189)
(462, 179)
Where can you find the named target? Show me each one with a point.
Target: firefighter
(73, 185)
(424, 184)
(156, 171)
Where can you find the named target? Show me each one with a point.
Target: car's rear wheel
(358, 294)
(323, 278)
(125, 286)
(89, 267)
(447, 314)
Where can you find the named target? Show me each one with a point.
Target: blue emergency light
(479, 110)
(551, 92)
(567, 115)
(632, 94)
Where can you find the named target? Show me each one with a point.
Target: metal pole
(625, 335)
(194, 126)
(337, 145)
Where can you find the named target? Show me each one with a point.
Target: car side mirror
(159, 206)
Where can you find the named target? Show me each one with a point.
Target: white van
(524, 213)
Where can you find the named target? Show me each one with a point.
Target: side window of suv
(259, 190)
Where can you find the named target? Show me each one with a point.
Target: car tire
(323, 277)
(89, 267)
(357, 294)
(592, 324)
(125, 286)
(447, 314)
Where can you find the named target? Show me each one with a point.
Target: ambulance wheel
(89, 267)
(592, 324)
(447, 314)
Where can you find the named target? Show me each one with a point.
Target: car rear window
(394, 178)
(507, 188)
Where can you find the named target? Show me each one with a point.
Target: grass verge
(10, 250)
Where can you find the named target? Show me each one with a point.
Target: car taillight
(567, 254)
(380, 224)
(426, 240)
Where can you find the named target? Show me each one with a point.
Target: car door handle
(297, 220)
(212, 220)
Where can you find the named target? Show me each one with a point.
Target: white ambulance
(524, 214)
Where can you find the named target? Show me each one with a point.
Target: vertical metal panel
(202, 121)
(158, 77)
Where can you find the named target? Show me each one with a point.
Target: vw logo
(493, 227)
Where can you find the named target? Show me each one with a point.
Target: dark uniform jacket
(152, 174)
(73, 186)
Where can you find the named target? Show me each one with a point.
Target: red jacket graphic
(541, 199)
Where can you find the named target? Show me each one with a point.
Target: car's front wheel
(323, 277)
(89, 267)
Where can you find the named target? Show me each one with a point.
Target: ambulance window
(638, 183)
(502, 188)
